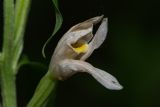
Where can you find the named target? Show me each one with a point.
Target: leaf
(21, 14)
(43, 91)
(58, 24)
(26, 61)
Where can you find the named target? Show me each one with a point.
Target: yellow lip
(81, 49)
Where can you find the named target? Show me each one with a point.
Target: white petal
(69, 67)
(106, 79)
(100, 35)
(98, 39)
(86, 24)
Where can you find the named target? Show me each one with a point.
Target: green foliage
(7, 77)
(14, 25)
(59, 20)
(42, 92)
(46, 84)
(21, 13)
(26, 61)
(15, 17)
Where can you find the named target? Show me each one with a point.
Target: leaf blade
(58, 24)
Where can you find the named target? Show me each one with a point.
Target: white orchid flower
(75, 47)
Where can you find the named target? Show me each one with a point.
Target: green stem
(8, 87)
(43, 91)
(14, 25)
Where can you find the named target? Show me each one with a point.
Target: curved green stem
(43, 91)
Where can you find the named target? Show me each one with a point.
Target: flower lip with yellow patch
(80, 48)
(82, 44)
(76, 46)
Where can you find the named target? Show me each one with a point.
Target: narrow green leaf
(26, 61)
(42, 92)
(58, 24)
(21, 13)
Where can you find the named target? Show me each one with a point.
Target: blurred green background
(131, 53)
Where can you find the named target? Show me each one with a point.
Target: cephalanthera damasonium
(75, 47)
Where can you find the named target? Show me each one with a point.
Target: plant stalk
(8, 87)
(15, 16)
(43, 91)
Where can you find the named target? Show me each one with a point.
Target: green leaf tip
(59, 20)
